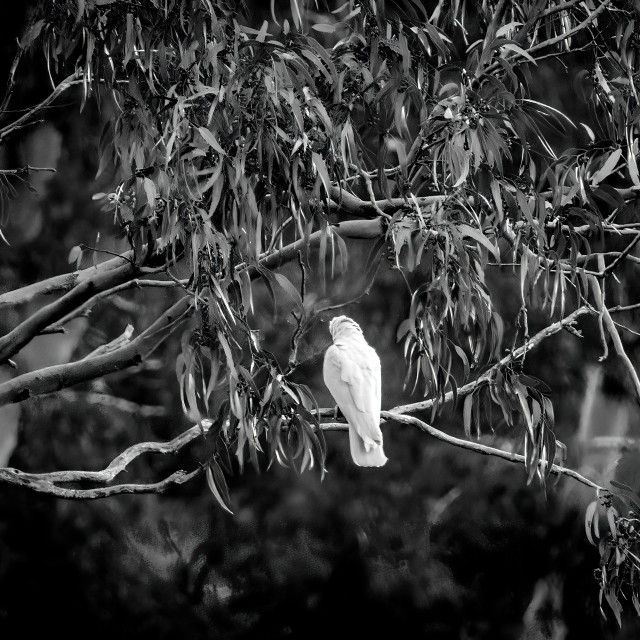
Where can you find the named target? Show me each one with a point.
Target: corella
(352, 373)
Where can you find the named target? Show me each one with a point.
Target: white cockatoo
(352, 373)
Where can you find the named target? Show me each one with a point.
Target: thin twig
(515, 355)
(85, 309)
(609, 269)
(567, 34)
(21, 335)
(11, 81)
(25, 170)
(27, 117)
(365, 292)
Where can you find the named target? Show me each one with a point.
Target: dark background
(440, 543)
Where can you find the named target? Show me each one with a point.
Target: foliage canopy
(242, 145)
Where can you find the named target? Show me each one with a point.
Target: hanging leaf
(218, 484)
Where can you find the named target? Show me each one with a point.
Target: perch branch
(465, 444)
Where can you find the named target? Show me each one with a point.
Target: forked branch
(58, 377)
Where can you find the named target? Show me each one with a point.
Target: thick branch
(349, 229)
(348, 203)
(13, 341)
(59, 284)
(58, 377)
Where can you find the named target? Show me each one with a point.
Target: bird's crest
(341, 324)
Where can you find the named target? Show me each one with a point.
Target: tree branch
(41, 486)
(466, 444)
(59, 284)
(534, 16)
(117, 465)
(26, 170)
(517, 354)
(13, 341)
(86, 308)
(559, 7)
(58, 377)
(52, 97)
(567, 34)
(348, 203)
(362, 229)
(620, 350)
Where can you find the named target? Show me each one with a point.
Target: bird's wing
(352, 374)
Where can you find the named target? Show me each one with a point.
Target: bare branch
(26, 170)
(555, 9)
(620, 350)
(348, 203)
(570, 32)
(85, 309)
(117, 465)
(59, 284)
(583, 259)
(176, 478)
(621, 308)
(625, 252)
(466, 444)
(13, 341)
(515, 355)
(50, 379)
(25, 119)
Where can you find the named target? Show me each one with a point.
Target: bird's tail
(373, 458)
